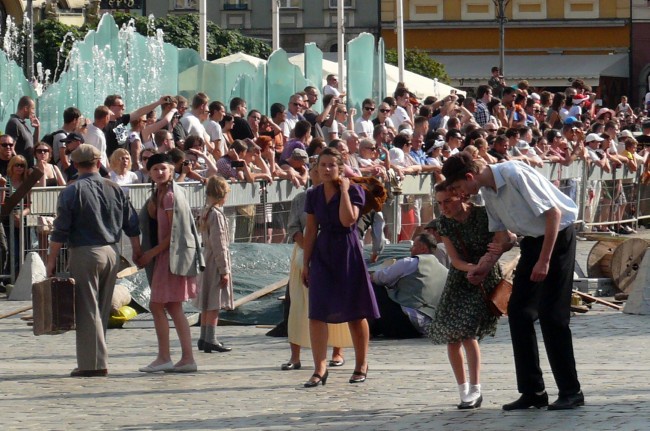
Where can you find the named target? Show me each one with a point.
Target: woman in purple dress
(333, 266)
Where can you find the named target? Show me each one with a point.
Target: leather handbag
(497, 300)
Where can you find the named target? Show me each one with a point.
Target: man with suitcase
(92, 212)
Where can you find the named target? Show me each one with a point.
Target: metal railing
(276, 196)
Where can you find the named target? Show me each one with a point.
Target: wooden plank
(13, 313)
(128, 271)
(262, 292)
(598, 300)
(22, 191)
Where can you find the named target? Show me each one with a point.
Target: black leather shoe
(219, 347)
(568, 402)
(526, 401)
(334, 363)
(319, 380)
(472, 404)
(200, 344)
(358, 376)
(291, 366)
(89, 373)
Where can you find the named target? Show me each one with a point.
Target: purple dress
(339, 285)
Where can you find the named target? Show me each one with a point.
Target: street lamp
(501, 19)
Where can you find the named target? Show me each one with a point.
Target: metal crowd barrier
(43, 199)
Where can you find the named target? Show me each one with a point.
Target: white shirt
(213, 129)
(95, 137)
(328, 89)
(129, 177)
(399, 117)
(192, 125)
(363, 128)
(522, 197)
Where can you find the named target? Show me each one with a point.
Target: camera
(237, 163)
(186, 162)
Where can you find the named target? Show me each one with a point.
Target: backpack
(49, 138)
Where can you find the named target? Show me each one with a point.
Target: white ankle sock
(463, 390)
(473, 393)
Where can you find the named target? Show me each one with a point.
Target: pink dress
(165, 286)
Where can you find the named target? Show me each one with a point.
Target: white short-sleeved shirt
(328, 89)
(364, 127)
(522, 197)
(192, 125)
(95, 137)
(399, 116)
(213, 129)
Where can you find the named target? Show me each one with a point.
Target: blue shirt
(93, 211)
(521, 198)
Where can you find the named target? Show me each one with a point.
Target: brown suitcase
(53, 302)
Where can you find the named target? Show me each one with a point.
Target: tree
(419, 62)
(51, 46)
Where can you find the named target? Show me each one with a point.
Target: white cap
(593, 137)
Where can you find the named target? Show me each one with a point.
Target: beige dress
(298, 325)
(217, 261)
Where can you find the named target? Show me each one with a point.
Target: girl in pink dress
(168, 291)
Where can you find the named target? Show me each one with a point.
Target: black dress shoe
(471, 404)
(358, 376)
(89, 373)
(200, 344)
(219, 347)
(291, 366)
(526, 401)
(568, 402)
(319, 380)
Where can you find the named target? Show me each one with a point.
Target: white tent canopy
(419, 85)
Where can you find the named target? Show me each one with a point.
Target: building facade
(548, 42)
(301, 21)
(640, 82)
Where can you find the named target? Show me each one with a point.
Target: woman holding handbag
(463, 317)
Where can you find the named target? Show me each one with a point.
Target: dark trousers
(393, 323)
(550, 302)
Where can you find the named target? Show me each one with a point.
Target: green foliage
(181, 31)
(419, 62)
(52, 43)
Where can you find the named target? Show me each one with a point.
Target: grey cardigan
(185, 257)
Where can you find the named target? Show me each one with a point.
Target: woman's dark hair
(191, 141)
(225, 119)
(558, 101)
(314, 145)
(401, 140)
(333, 152)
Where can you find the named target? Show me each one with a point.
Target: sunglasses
(7, 145)
(369, 108)
(144, 159)
(296, 104)
(384, 110)
(372, 148)
(19, 165)
(42, 151)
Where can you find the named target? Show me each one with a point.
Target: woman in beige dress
(298, 322)
(216, 290)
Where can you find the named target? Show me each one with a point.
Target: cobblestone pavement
(410, 385)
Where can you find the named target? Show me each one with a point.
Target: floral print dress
(462, 312)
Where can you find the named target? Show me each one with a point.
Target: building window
(585, 9)
(291, 4)
(331, 19)
(529, 9)
(347, 4)
(185, 4)
(426, 10)
(235, 5)
(473, 10)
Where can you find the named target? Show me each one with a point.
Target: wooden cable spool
(618, 259)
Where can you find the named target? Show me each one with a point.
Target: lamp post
(275, 23)
(400, 40)
(29, 60)
(203, 29)
(340, 37)
(501, 19)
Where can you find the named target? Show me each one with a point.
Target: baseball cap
(74, 136)
(85, 153)
(593, 137)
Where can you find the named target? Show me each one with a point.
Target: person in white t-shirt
(216, 112)
(404, 110)
(332, 86)
(193, 121)
(95, 135)
(363, 126)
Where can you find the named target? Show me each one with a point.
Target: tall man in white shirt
(193, 121)
(521, 200)
(363, 126)
(95, 135)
